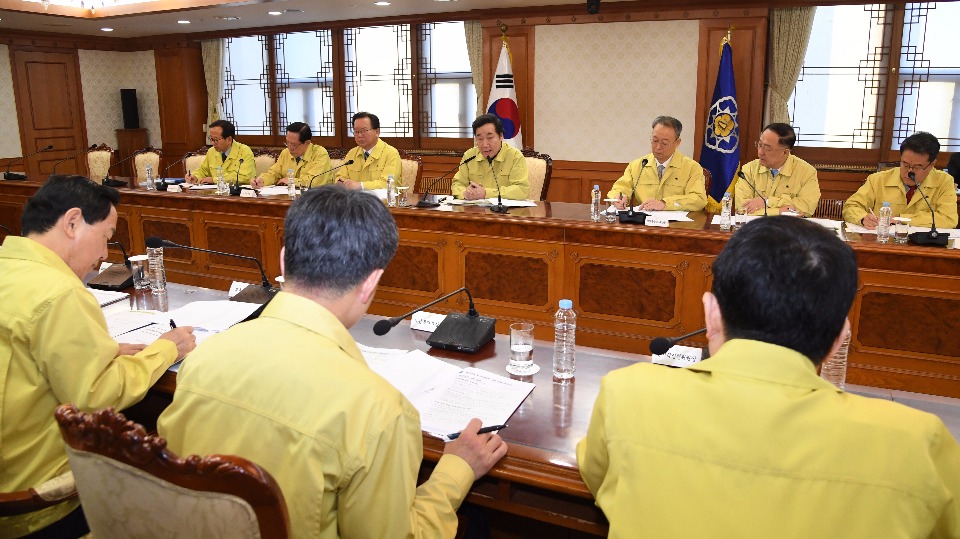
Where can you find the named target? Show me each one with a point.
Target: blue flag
(721, 142)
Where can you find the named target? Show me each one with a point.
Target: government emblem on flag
(720, 153)
(503, 99)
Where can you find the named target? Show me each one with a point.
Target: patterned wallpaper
(10, 141)
(102, 75)
(587, 110)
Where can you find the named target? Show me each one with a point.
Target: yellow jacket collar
(764, 361)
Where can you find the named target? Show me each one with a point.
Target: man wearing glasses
(917, 154)
(235, 158)
(373, 159)
(492, 164)
(307, 160)
(668, 181)
(781, 181)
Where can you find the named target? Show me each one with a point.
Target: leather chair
(263, 159)
(539, 169)
(142, 158)
(192, 160)
(98, 162)
(56, 490)
(131, 486)
(411, 168)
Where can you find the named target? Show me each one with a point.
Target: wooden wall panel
(521, 41)
(182, 95)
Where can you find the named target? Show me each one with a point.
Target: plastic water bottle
(883, 226)
(595, 204)
(834, 369)
(391, 192)
(150, 185)
(564, 341)
(158, 275)
(221, 182)
(726, 209)
(291, 184)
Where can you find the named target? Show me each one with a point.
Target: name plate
(248, 193)
(174, 189)
(656, 221)
(425, 321)
(679, 356)
(236, 287)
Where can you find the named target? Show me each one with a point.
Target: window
(448, 97)
(246, 88)
(305, 81)
(378, 76)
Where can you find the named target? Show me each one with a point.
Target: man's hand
(184, 338)
(481, 451)
(754, 204)
(620, 203)
(129, 349)
(474, 191)
(349, 184)
(870, 221)
(653, 205)
(190, 178)
(256, 183)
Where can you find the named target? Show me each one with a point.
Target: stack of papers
(106, 297)
(447, 396)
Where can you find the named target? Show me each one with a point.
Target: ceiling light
(106, 29)
(183, 22)
(274, 13)
(381, 3)
(293, 11)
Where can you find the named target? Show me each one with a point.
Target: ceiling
(132, 20)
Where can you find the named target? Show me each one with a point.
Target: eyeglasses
(661, 143)
(915, 168)
(767, 147)
(216, 140)
(292, 145)
(362, 132)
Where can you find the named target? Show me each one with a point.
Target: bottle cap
(566, 304)
(596, 187)
(886, 204)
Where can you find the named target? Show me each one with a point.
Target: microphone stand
(424, 203)
(765, 204)
(235, 191)
(629, 216)
(116, 277)
(107, 180)
(499, 208)
(85, 150)
(382, 327)
(162, 186)
(661, 345)
(16, 175)
(932, 237)
(310, 185)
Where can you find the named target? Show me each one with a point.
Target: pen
(484, 430)
(172, 324)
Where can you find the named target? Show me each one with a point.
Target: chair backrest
(410, 167)
(884, 165)
(98, 162)
(539, 169)
(142, 158)
(337, 156)
(264, 158)
(829, 208)
(707, 179)
(192, 160)
(130, 485)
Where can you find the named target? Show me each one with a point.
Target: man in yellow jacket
(752, 442)
(778, 180)
(309, 162)
(896, 186)
(664, 179)
(235, 158)
(373, 159)
(54, 344)
(492, 164)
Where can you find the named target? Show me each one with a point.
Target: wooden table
(629, 284)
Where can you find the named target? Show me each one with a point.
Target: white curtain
(789, 35)
(474, 36)
(213, 72)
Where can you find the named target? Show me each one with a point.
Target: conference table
(629, 283)
(538, 479)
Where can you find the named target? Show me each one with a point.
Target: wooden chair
(829, 208)
(142, 158)
(192, 160)
(264, 158)
(131, 486)
(411, 168)
(539, 169)
(98, 162)
(884, 165)
(337, 156)
(707, 179)
(56, 490)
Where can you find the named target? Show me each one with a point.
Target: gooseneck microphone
(163, 174)
(235, 191)
(382, 327)
(629, 216)
(744, 178)
(7, 230)
(85, 150)
(932, 237)
(499, 208)
(661, 345)
(258, 294)
(424, 203)
(16, 175)
(310, 185)
(116, 277)
(107, 180)
(459, 332)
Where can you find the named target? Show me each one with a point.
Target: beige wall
(10, 139)
(102, 75)
(599, 86)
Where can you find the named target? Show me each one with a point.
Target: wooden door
(50, 107)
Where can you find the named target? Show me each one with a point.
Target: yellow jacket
(238, 151)
(314, 161)
(886, 186)
(55, 349)
(509, 166)
(752, 443)
(682, 187)
(796, 184)
(344, 445)
(372, 172)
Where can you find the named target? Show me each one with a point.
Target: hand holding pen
(480, 450)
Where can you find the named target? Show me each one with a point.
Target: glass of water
(521, 350)
(901, 229)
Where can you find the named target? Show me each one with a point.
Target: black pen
(172, 325)
(484, 430)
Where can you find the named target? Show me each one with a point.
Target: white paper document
(745, 218)
(447, 396)
(211, 315)
(275, 190)
(121, 322)
(203, 187)
(827, 223)
(665, 215)
(859, 229)
(106, 297)
(493, 202)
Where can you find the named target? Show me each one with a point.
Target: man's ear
(369, 286)
(716, 333)
(70, 222)
(283, 270)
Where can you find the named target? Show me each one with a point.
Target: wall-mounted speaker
(593, 7)
(131, 113)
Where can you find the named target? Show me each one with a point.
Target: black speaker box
(131, 113)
